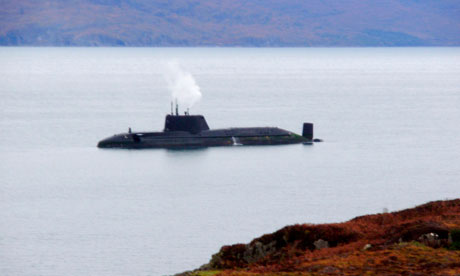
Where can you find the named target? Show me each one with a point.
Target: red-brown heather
(420, 241)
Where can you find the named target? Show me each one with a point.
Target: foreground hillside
(424, 240)
(230, 23)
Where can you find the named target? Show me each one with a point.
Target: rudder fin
(307, 131)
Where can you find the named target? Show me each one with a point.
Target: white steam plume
(182, 85)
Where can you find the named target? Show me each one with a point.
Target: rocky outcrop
(278, 245)
(320, 244)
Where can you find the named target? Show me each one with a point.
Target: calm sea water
(389, 117)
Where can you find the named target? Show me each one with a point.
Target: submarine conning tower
(190, 123)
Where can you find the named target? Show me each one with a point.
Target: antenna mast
(177, 108)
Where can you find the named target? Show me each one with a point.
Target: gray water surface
(389, 117)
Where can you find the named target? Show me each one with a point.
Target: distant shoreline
(230, 47)
(205, 23)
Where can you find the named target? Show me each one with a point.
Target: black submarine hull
(143, 140)
(193, 132)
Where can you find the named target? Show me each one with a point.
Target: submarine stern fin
(307, 131)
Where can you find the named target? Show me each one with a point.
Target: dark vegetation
(424, 240)
(455, 239)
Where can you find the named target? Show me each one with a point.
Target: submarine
(192, 131)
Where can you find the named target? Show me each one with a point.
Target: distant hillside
(230, 23)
